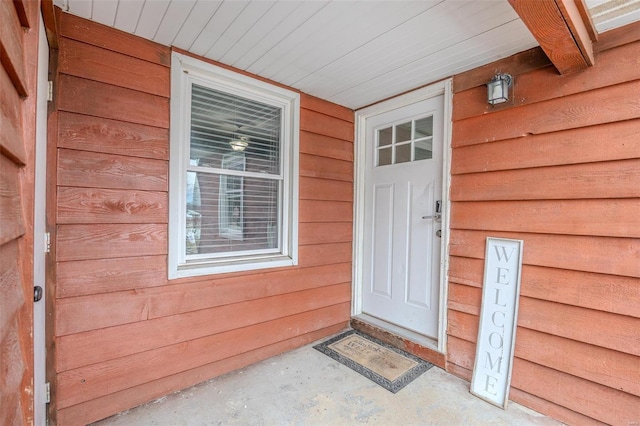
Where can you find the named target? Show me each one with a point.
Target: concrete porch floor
(306, 387)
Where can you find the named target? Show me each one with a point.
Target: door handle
(436, 216)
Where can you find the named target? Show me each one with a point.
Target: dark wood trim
(11, 144)
(22, 9)
(614, 38)
(558, 27)
(12, 43)
(11, 209)
(50, 22)
(434, 357)
(586, 18)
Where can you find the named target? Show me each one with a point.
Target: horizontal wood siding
(124, 333)
(102, 407)
(558, 167)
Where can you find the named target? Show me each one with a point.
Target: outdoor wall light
(239, 144)
(498, 88)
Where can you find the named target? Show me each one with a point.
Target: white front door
(402, 207)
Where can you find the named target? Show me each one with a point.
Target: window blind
(233, 195)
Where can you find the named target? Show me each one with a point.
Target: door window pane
(384, 156)
(403, 132)
(423, 150)
(403, 153)
(409, 141)
(384, 136)
(424, 127)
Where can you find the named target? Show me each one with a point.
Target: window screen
(234, 178)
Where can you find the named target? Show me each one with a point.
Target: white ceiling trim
(610, 14)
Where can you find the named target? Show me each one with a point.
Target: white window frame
(186, 71)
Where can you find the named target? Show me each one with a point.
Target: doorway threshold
(391, 334)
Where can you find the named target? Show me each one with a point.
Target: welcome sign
(498, 319)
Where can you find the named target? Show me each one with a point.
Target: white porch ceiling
(353, 53)
(610, 14)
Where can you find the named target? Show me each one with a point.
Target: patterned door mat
(383, 364)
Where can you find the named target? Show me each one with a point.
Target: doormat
(383, 364)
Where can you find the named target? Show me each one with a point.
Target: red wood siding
(18, 72)
(558, 167)
(124, 334)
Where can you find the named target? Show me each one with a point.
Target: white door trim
(39, 228)
(443, 87)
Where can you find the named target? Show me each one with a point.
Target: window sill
(208, 267)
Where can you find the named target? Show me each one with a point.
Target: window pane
(228, 214)
(221, 120)
(231, 214)
(423, 149)
(403, 153)
(234, 148)
(384, 156)
(384, 136)
(403, 132)
(424, 127)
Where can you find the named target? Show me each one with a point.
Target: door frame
(444, 88)
(39, 229)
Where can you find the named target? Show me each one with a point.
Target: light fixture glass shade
(498, 89)
(239, 144)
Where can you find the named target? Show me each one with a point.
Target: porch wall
(124, 334)
(19, 28)
(558, 167)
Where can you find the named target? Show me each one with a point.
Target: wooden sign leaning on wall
(498, 321)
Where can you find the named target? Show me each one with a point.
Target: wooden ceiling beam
(560, 29)
(587, 19)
